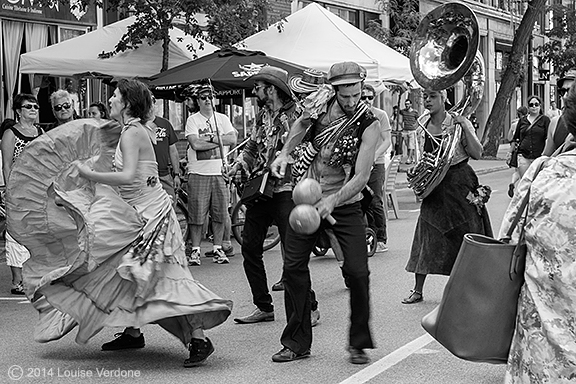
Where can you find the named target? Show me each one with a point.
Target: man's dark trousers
(350, 231)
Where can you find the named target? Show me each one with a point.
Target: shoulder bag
(476, 317)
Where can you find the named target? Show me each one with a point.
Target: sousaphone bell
(445, 51)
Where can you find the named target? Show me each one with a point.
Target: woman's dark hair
(21, 98)
(137, 98)
(102, 108)
(569, 114)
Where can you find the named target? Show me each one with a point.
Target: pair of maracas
(304, 218)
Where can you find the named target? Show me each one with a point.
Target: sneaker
(315, 317)
(199, 352)
(124, 341)
(286, 354)
(381, 247)
(256, 316)
(358, 356)
(17, 289)
(228, 250)
(193, 257)
(220, 257)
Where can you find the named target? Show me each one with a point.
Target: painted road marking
(388, 361)
(20, 300)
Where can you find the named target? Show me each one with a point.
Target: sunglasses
(58, 107)
(533, 104)
(204, 98)
(367, 97)
(563, 91)
(31, 106)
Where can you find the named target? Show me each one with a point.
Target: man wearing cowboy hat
(278, 112)
(340, 157)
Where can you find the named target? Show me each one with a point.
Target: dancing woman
(455, 207)
(131, 269)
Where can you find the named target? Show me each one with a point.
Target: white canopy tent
(316, 38)
(79, 56)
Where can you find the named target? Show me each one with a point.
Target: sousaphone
(445, 51)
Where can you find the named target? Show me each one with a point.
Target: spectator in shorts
(207, 131)
(409, 124)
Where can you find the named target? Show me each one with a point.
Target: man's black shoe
(199, 352)
(286, 355)
(124, 341)
(358, 356)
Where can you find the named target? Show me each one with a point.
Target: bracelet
(177, 175)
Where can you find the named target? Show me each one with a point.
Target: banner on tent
(57, 11)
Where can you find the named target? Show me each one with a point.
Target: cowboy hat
(275, 76)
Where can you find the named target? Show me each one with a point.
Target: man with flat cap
(339, 155)
(277, 113)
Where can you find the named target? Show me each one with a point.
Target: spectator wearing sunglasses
(530, 135)
(557, 131)
(14, 140)
(375, 213)
(209, 133)
(62, 107)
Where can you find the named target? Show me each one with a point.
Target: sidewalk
(480, 166)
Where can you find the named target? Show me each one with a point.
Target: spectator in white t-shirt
(207, 132)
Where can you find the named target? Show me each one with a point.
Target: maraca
(304, 219)
(308, 191)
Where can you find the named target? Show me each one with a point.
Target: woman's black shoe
(199, 352)
(124, 341)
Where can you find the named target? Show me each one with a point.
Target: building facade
(497, 19)
(26, 26)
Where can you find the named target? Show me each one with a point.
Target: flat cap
(346, 72)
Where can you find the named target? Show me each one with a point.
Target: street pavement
(404, 354)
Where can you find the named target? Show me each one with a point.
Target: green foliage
(560, 51)
(404, 19)
(229, 21)
(232, 21)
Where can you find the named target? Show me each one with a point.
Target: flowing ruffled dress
(101, 256)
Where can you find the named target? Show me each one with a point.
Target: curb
(483, 171)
